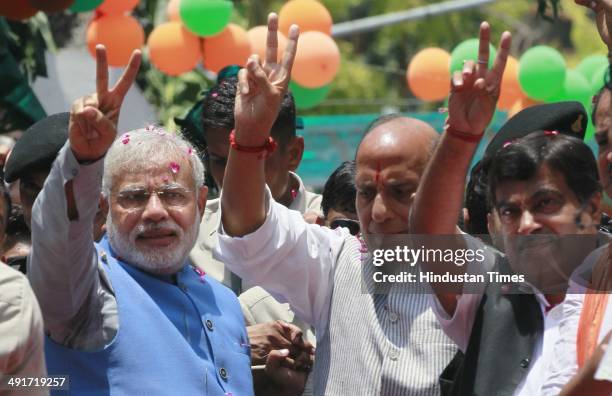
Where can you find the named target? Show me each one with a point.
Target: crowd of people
(121, 277)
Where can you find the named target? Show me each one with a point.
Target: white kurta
(367, 344)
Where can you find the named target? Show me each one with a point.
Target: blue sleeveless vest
(187, 338)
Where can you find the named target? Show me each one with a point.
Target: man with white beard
(130, 315)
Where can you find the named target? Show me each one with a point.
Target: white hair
(138, 150)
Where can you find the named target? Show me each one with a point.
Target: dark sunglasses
(352, 225)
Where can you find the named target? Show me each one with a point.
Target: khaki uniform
(21, 332)
(201, 254)
(258, 306)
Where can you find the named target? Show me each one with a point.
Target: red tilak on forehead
(378, 179)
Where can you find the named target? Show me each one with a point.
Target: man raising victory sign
(543, 187)
(367, 344)
(130, 315)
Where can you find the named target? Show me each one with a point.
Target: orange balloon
(428, 74)
(173, 49)
(510, 86)
(17, 10)
(51, 5)
(317, 60)
(310, 15)
(258, 36)
(521, 104)
(230, 47)
(173, 10)
(120, 34)
(114, 7)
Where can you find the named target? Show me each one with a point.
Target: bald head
(390, 160)
(395, 134)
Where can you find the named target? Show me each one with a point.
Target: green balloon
(468, 50)
(591, 64)
(542, 72)
(205, 17)
(575, 87)
(85, 5)
(306, 98)
(599, 79)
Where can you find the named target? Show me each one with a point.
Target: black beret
(568, 118)
(38, 146)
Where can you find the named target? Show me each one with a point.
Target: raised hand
(94, 118)
(261, 88)
(475, 90)
(603, 9)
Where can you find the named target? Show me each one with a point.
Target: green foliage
(357, 86)
(545, 5)
(22, 59)
(171, 96)
(372, 73)
(27, 42)
(584, 33)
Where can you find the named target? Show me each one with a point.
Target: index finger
(101, 70)
(129, 74)
(483, 49)
(272, 40)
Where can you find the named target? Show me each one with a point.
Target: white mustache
(140, 229)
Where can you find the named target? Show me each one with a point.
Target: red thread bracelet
(466, 137)
(264, 150)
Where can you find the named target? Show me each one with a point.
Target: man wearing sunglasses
(259, 307)
(338, 203)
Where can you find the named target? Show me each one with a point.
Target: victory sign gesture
(475, 90)
(261, 88)
(94, 118)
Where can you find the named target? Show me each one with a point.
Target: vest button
(393, 317)
(209, 324)
(525, 363)
(223, 373)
